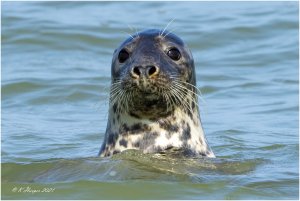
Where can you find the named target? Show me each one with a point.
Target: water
(55, 81)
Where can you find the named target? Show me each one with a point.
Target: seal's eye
(123, 56)
(174, 54)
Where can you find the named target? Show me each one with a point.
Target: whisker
(128, 34)
(162, 33)
(121, 99)
(185, 102)
(189, 91)
(127, 97)
(185, 88)
(170, 32)
(134, 29)
(198, 91)
(181, 99)
(165, 95)
(137, 33)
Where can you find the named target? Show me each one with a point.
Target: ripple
(273, 147)
(129, 165)
(21, 87)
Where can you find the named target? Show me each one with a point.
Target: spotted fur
(158, 111)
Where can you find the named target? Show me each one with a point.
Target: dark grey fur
(154, 111)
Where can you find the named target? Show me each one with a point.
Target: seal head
(153, 98)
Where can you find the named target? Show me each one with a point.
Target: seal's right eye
(123, 56)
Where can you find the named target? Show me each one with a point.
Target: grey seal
(153, 98)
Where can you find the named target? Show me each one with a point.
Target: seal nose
(148, 71)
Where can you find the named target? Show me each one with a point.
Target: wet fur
(159, 113)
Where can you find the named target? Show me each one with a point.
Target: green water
(55, 66)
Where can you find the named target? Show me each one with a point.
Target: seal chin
(148, 105)
(149, 96)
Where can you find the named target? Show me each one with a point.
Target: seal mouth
(149, 95)
(154, 98)
(143, 98)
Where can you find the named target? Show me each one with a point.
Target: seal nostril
(136, 71)
(152, 70)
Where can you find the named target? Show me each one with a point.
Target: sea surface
(55, 70)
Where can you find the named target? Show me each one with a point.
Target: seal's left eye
(123, 56)
(174, 54)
